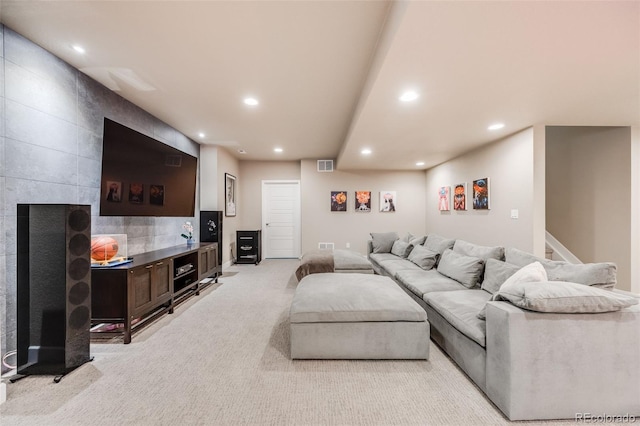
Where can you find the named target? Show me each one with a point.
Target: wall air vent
(173, 160)
(325, 165)
(325, 246)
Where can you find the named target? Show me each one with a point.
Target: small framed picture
(114, 191)
(156, 195)
(388, 200)
(444, 200)
(136, 193)
(338, 201)
(363, 201)
(481, 194)
(229, 195)
(460, 196)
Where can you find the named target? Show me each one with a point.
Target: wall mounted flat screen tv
(142, 176)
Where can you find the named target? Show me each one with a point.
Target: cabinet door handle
(148, 267)
(159, 263)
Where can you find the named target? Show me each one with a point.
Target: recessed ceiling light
(420, 163)
(201, 135)
(242, 151)
(278, 150)
(496, 126)
(251, 101)
(409, 96)
(365, 151)
(78, 49)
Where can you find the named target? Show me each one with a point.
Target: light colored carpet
(223, 359)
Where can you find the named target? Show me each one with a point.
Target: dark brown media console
(127, 296)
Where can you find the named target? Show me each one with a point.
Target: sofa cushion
(460, 309)
(533, 272)
(596, 274)
(496, 273)
(421, 282)
(563, 297)
(392, 267)
(464, 269)
(383, 241)
(333, 297)
(437, 243)
(423, 257)
(475, 250)
(381, 257)
(401, 248)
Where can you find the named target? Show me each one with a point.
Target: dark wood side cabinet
(249, 246)
(130, 295)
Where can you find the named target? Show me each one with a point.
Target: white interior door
(281, 219)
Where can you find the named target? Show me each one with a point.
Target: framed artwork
(388, 201)
(363, 201)
(136, 193)
(114, 191)
(460, 196)
(481, 194)
(156, 195)
(444, 200)
(338, 201)
(229, 195)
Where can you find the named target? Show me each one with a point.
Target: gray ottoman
(356, 316)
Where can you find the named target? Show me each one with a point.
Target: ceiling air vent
(173, 160)
(325, 165)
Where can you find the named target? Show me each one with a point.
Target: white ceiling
(328, 74)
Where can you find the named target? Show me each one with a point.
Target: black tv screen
(142, 176)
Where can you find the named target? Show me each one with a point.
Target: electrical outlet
(348, 245)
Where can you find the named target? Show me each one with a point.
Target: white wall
(214, 163)
(319, 224)
(252, 174)
(509, 163)
(589, 194)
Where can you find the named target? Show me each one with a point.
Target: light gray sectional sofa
(538, 350)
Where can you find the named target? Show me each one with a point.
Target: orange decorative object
(103, 248)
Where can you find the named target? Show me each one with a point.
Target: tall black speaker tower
(54, 287)
(211, 229)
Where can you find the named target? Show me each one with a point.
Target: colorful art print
(481, 194)
(156, 195)
(338, 201)
(388, 201)
(363, 201)
(114, 191)
(460, 196)
(136, 193)
(444, 202)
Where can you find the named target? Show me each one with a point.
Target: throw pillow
(423, 257)
(533, 272)
(475, 250)
(383, 242)
(401, 248)
(563, 297)
(438, 243)
(595, 274)
(464, 269)
(417, 241)
(496, 272)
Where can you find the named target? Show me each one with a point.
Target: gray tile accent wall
(51, 123)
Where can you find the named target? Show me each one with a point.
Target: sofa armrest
(557, 366)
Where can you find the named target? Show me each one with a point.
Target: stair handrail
(559, 249)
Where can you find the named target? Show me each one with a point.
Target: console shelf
(131, 295)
